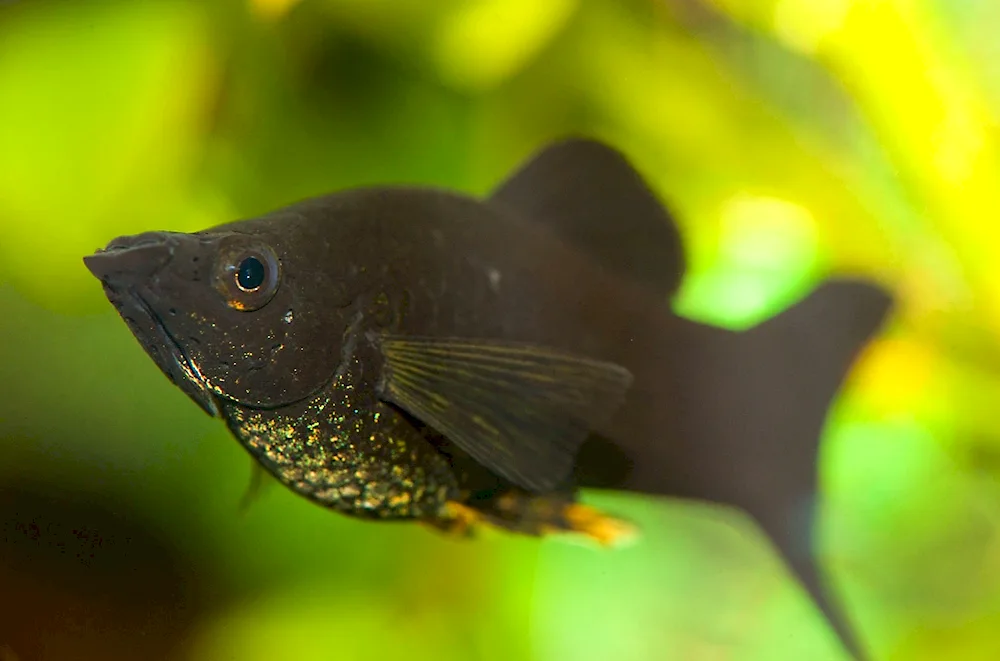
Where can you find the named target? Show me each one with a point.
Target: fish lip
(132, 259)
(182, 367)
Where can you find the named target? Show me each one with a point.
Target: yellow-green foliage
(794, 139)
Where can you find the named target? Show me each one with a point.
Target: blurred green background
(793, 138)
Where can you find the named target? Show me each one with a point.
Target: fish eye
(250, 274)
(248, 277)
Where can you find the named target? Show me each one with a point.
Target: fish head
(233, 313)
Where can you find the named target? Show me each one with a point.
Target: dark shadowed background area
(794, 139)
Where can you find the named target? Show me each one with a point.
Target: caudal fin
(730, 418)
(736, 418)
(811, 348)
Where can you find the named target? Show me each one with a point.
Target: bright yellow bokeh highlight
(897, 375)
(273, 9)
(768, 254)
(806, 24)
(484, 42)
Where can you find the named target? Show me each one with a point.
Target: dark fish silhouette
(404, 353)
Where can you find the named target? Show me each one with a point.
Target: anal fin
(528, 514)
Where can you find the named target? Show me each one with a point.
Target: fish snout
(131, 258)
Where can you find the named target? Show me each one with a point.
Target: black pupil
(250, 275)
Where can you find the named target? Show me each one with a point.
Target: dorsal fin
(592, 198)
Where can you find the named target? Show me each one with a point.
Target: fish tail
(725, 417)
(736, 418)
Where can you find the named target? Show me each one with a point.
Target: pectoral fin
(521, 411)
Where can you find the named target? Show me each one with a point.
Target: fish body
(404, 251)
(408, 353)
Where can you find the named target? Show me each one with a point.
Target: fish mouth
(178, 366)
(123, 269)
(156, 339)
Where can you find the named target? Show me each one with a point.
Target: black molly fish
(406, 353)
